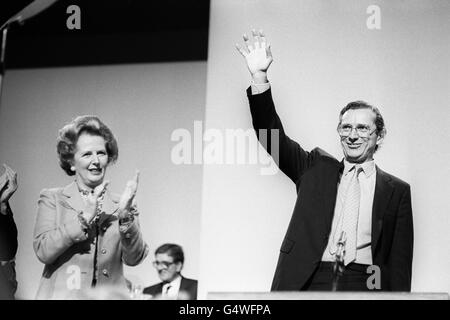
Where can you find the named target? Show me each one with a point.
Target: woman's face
(90, 160)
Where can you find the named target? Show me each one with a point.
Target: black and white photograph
(225, 150)
(92, 92)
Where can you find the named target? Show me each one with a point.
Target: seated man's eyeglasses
(164, 264)
(362, 131)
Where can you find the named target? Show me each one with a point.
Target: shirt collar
(368, 167)
(174, 282)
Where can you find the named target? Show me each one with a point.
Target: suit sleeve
(402, 246)
(51, 238)
(134, 248)
(154, 289)
(287, 154)
(8, 235)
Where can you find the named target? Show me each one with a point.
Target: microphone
(29, 11)
(338, 266)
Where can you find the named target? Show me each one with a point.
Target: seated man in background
(8, 235)
(169, 259)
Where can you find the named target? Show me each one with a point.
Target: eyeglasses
(361, 130)
(165, 264)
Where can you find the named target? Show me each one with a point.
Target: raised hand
(8, 184)
(257, 55)
(3, 181)
(127, 200)
(92, 201)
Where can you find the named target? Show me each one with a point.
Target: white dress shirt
(171, 289)
(367, 180)
(259, 88)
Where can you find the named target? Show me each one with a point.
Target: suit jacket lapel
(74, 199)
(159, 288)
(382, 196)
(109, 208)
(110, 205)
(331, 195)
(182, 284)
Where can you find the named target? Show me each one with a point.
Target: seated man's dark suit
(188, 286)
(316, 175)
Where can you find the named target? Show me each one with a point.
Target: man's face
(356, 148)
(167, 269)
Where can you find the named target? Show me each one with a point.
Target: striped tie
(351, 213)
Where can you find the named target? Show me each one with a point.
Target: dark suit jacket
(187, 285)
(8, 236)
(316, 175)
(8, 250)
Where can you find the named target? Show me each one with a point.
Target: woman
(83, 233)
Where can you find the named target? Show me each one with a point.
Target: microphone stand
(4, 29)
(2, 59)
(26, 13)
(338, 265)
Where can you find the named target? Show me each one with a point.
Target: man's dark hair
(173, 250)
(379, 121)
